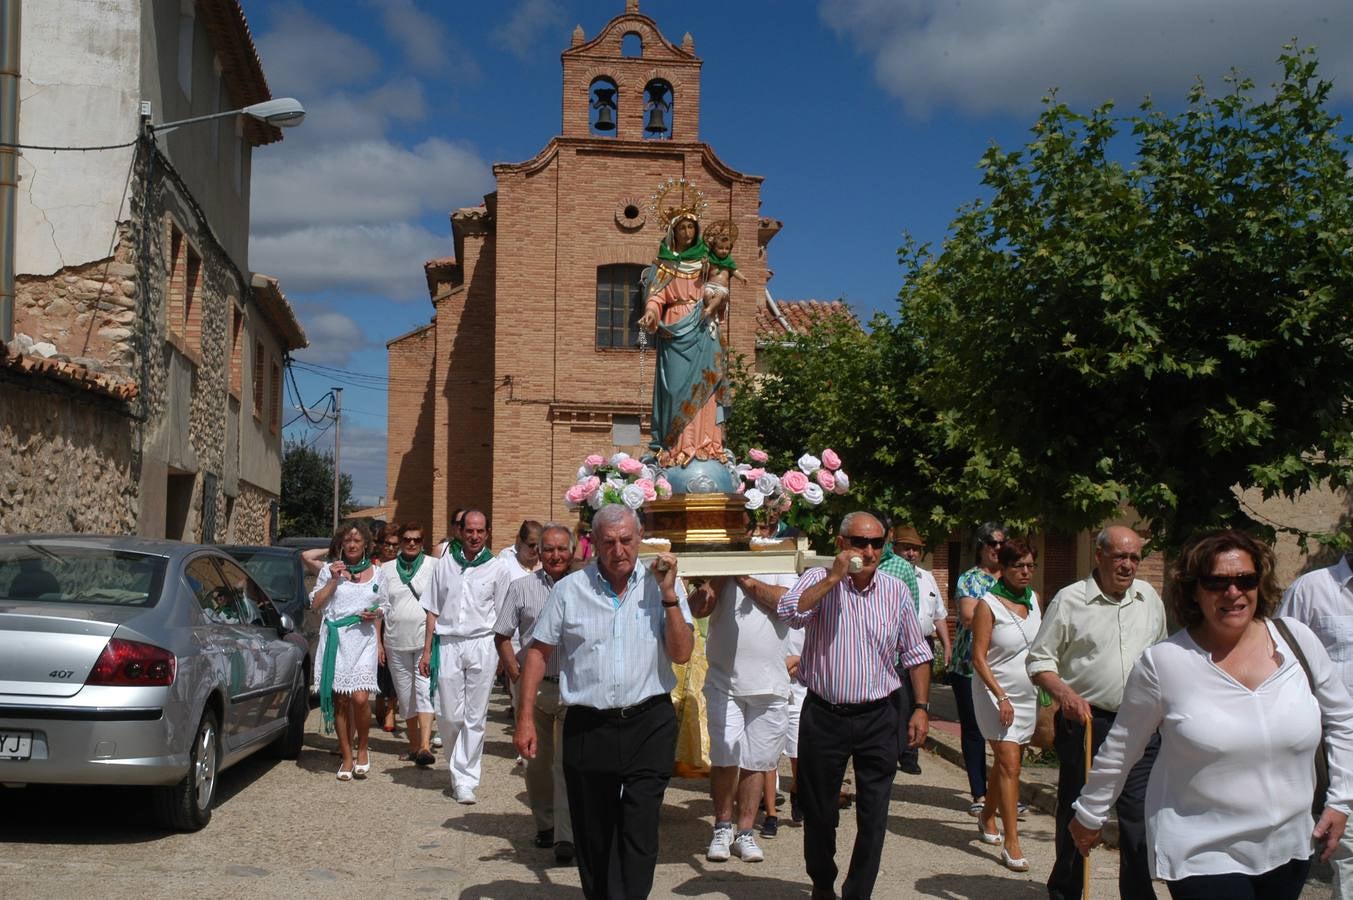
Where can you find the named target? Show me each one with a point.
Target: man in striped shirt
(855, 625)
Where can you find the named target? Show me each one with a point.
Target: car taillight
(134, 664)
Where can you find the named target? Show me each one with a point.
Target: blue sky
(866, 118)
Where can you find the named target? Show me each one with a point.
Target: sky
(866, 118)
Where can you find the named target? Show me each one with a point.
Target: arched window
(619, 305)
(632, 46)
(658, 99)
(603, 97)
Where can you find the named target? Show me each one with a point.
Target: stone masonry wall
(251, 519)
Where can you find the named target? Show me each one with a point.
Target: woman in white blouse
(1228, 806)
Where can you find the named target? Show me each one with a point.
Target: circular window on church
(629, 214)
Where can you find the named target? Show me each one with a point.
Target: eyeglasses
(859, 543)
(394, 543)
(1217, 583)
(1023, 565)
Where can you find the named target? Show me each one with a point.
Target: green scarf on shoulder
(458, 554)
(695, 251)
(1026, 599)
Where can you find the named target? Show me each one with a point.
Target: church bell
(605, 107)
(657, 124)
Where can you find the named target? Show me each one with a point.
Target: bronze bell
(657, 123)
(605, 107)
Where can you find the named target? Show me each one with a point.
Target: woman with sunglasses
(1004, 700)
(404, 581)
(972, 587)
(1228, 808)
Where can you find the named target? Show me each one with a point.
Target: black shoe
(545, 839)
(770, 826)
(563, 852)
(795, 813)
(911, 767)
(424, 758)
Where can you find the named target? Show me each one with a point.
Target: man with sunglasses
(856, 625)
(1090, 638)
(1322, 600)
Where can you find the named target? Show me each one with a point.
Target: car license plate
(16, 744)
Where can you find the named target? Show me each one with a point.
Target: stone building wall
(251, 520)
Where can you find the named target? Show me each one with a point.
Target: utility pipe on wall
(9, 158)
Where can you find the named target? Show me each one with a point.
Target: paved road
(292, 830)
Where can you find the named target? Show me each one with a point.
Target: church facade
(533, 359)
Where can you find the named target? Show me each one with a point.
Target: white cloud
(384, 260)
(303, 54)
(1003, 56)
(419, 34)
(371, 181)
(333, 336)
(532, 19)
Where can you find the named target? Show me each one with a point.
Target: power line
(337, 371)
(7, 146)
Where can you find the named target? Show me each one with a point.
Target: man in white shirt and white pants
(1323, 600)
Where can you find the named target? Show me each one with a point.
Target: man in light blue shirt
(618, 628)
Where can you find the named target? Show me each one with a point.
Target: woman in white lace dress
(348, 593)
(1004, 700)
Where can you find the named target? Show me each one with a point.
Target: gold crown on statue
(721, 227)
(676, 199)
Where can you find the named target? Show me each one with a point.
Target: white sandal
(1014, 865)
(345, 775)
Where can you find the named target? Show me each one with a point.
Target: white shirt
(1323, 600)
(932, 601)
(401, 604)
(746, 644)
(1092, 641)
(1231, 789)
(612, 651)
(466, 603)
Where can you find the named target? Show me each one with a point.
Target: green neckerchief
(723, 262)
(434, 664)
(1025, 599)
(406, 570)
(458, 554)
(360, 566)
(326, 672)
(695, 251)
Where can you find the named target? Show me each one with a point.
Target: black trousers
(902, 701)
(829, 738)
(970, 736)
(1282, 883)
(616, 771)
(1134, 875)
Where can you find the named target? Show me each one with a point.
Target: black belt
(624, 712)
(848, 709)
(553, 679)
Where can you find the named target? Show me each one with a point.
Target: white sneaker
(744, 845)
(437, 740)
(718, 846)
(466, 797)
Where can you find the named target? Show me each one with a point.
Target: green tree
(1152, 327)
(308, 492)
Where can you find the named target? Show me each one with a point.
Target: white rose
(768, 484)
(632, 495)
(742, 469)
(812, 495)
(615, 481)
(647, 473)
(597, 499)
(842, 483)
(754, 498)
(808, 464)
(615, 460)
(584, 473)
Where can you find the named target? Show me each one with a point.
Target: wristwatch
(673, 605)
(924, 707)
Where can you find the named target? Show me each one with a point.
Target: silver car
(139, 662)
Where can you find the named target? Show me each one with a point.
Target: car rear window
(275, 574)
(57, 573)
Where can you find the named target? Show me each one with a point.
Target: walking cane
(1089, 759)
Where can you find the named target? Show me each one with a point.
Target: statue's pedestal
(698, 521)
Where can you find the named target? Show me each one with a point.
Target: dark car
(281, 574)
(141, 662)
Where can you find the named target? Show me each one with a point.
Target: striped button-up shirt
(610, 648)
(526, 597)
(852, 637)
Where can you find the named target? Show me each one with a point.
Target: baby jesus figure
(719, 266)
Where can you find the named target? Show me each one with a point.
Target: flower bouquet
(796, 496)
(619, 479)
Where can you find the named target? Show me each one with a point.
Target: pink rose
(664, 488)
(753, 474)
(589, 485)
(831, 461)
(596, 459)
(650, 492)
(794, 481)
(576, 495)
(630, 466)
(758, 456)
(826, 479)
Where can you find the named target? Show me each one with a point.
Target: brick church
(532, 359)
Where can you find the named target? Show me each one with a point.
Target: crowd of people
(1205, 742)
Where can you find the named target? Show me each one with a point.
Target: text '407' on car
(126, 661)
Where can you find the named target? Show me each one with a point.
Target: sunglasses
(859, 543)
(1246, 582)
(991, 543)
(413, 539)
(394, 543)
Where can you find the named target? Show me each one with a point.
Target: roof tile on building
(241, 67)
(278, 312)
(70, 374)
(799, 315)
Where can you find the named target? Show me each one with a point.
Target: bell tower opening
(658, 105)
(605, 105)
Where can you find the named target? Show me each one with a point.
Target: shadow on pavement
(980, 887)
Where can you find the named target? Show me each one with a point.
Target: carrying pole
(1089, 760)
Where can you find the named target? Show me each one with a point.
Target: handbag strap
(1296, 648)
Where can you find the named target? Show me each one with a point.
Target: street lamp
(283, 111)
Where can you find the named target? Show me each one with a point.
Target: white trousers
(464, 682)
(411, 687)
